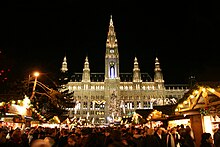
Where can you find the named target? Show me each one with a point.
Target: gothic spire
(111, 54)
(136, 67)
(86, 71)
(157, 65)
(136, 71)
(111, 22)
(86, 64)
(158, 76)
(64, 65)
(111, 39)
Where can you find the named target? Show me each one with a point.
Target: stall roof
(215, 85)
(201, 95)
(144, 112)
(165, 109)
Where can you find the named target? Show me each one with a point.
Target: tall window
(85, 105)
(112, 70)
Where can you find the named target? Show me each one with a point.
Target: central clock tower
(111, 55)
(112, 79)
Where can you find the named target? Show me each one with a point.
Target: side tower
(86, 71)
(158, 76)
(112, 79)
(136, 72)
(63, 79)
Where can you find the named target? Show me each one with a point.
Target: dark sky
(184, 36)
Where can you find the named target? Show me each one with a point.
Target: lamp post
(36, 74)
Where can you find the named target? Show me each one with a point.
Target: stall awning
(144, 112)
(165, 109)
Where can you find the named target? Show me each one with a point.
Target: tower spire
(111, 21)
(136, 71)
(157, 65)
(86, 71)
(111, 39)
(64, 65)
(111, 55)
(158, 76)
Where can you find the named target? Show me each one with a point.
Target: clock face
(111, 51)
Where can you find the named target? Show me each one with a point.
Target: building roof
(99, 77)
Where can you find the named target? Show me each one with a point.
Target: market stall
(201, 105)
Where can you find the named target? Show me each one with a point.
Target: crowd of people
(121, 136)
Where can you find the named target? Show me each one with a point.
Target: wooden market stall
(201, 105)
(158, 116)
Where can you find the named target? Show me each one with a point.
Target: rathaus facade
(101, 97)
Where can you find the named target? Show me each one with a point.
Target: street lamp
(36, 74)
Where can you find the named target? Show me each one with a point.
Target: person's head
(115, 144)
(136, 131)
(2, 133)
(72, 139)
(182, 126)
(159, 131)
(107, 131)
(40, 143)
(188, 129)
(86, 131)
(173, 130)
(206, 138)
(49, 140)
(16, 134)
(40, 128)
(64, 132)
(150, 131)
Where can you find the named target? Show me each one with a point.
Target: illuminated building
(113, 94)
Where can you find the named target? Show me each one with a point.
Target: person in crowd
(63, 138)
(96, 137)
(182, 131)
(30, 135)
(161, 137)
(173, 138)
(116, 144)
(187, 138)
(40, 143)
(24, 140)
(150, 139)
(72, 141)
(217, 137)
(207, 140)
(50, 140)
(107, 137)
(88, 138)
(15, 139)
(3, 139)
(137, 136)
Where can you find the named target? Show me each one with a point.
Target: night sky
(184, 36)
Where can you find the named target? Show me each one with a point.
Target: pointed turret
(136, 71)
(158, 76)
(63, 78)
(86, 71)
(64, 65)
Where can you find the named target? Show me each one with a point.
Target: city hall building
(101, 97)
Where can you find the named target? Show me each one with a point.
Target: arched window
(112, 70)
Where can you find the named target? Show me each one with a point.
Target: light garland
(99, 102)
